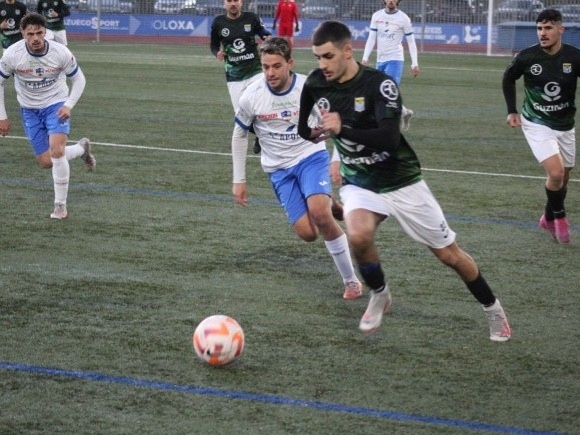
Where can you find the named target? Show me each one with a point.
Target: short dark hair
(32, 19)
(276, 45)
(331, 31)
(549, 15)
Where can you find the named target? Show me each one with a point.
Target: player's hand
(415, 70)
(240, 191)
(365, 62)
(335, 172)
(332, 123)
(221, 55)
(63, 113)
(514, 120)
(4, 126)
(318, 134)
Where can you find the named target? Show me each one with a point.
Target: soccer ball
(218, 340)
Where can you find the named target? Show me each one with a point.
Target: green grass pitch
(97, 312)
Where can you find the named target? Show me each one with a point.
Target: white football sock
(73, 151)
(60, 175)
(340, 252)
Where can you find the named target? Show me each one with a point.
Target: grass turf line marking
(213, 153)
(268, 399)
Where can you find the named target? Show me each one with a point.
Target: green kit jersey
(549, 85)
(238, 39)
(361, 102)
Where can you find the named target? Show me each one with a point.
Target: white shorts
(545, 142)
(237, 88)
(414, 207)
(57, 35)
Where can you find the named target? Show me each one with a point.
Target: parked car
(518, 10)
(570, 13)
(203, 7)
(320, 9)
(264, 8)
(168, 6)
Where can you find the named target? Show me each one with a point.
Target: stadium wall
(196, 29)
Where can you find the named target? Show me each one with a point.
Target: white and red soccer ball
(218, 340)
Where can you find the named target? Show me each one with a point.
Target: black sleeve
(64, 10)
(39, 7)
(214, 44)
(306, 104)
(384, 138)
(508, 85)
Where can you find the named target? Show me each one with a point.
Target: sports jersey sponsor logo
(551, 107)
(552, 92)
(366, 160)
(567, 68)
(239, 46)
(41, 84)
(389, 90)
(247, 56)
(322, 106)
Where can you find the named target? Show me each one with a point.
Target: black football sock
(373, 275)
(481, 291)
(556, 202)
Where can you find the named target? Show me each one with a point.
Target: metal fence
(468, 26)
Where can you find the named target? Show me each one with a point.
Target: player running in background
(297, 168)
(11, 13)
(387, 29)
(40, 69)
(550, 70)
(288, 15)
(54, 11)
(381, 173)
(233, 41)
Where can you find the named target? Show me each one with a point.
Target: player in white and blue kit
(387, 29)
(40, 69)
(298, 169)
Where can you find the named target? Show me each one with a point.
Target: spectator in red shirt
(287, 13)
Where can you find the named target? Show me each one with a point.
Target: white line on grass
(213, 153)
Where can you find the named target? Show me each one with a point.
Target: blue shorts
(39, 124)
(294, 185)
(394, 68)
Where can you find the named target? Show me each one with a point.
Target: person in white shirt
(40, 69)
(387, 29)
(298, 169)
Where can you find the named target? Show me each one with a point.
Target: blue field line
(228, 198)
(269, 399)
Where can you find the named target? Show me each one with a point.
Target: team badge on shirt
(567, 68)
(247, 27)
(359, 104)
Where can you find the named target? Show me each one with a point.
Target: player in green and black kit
(550, 69)
(360, 110)
(233, 41)
(11, 13)
(54, 11)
